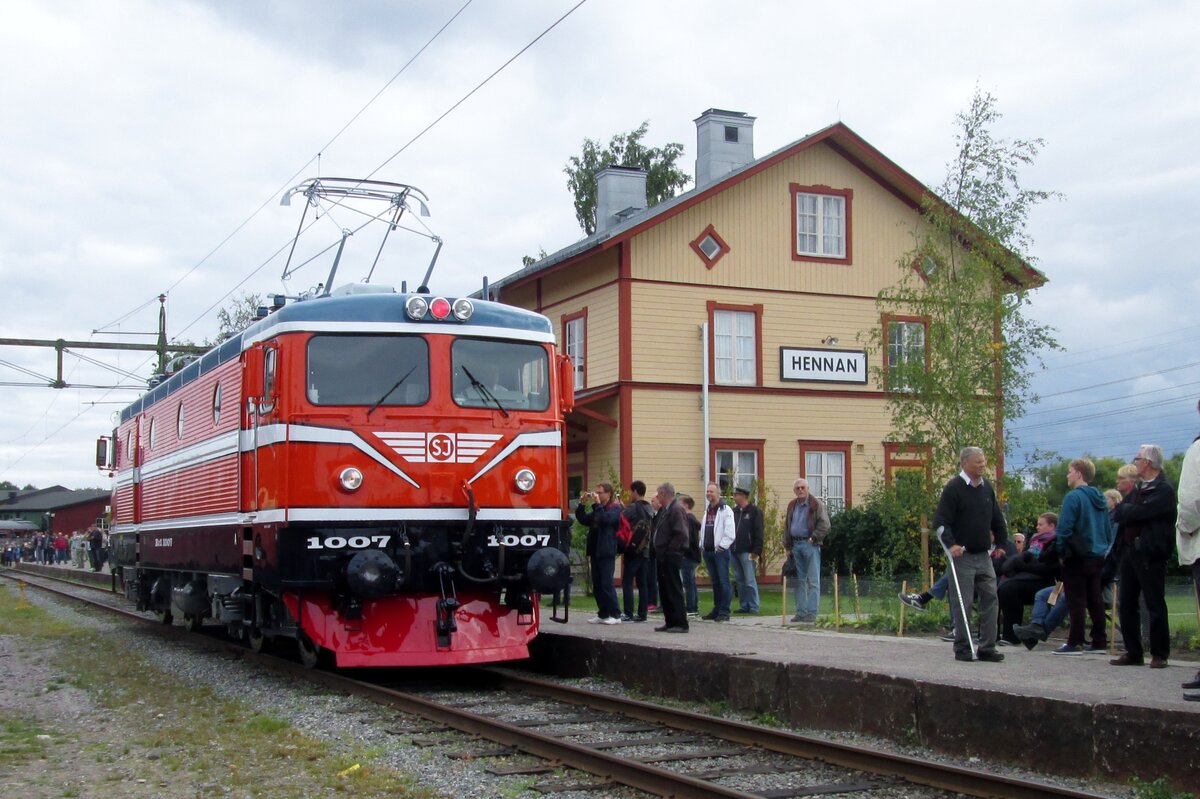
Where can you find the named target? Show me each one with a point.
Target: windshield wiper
(388, 393)
(483, 391)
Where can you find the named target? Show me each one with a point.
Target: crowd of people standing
(659, 574)
(82, 549)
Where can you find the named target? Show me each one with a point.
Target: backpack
(624, 534)
(639, 542)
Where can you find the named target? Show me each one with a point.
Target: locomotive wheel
(258, 642)
(310, 653)
(192, 623)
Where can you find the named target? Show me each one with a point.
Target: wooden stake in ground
(837, 608)
(1112, 622)
(903, 590)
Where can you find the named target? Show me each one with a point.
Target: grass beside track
(161, 737)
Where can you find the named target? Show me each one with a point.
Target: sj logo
(439, 447)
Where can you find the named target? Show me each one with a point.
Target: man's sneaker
(1068, 649)
(710, 616)
(914, 601)
(693, 614)
(1092, 649)
(610, 620)
(652, 608)
(796, 619)
(949, 637)
(595, 620)
(627, 617)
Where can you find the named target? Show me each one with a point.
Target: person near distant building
(806, 523)
(718, 536)
(1083, 540)
(599, 511)
(969, 518)
(634, 561)
(95, 541)
(670, 540)
(1147, 530)
(61, 545)
(1187, 533)
(747, 548)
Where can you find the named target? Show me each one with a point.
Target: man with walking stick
(968, 517)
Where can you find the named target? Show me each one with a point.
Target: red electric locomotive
(378, 476)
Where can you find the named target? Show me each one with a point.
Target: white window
(735, 348)
(574, 331)
(820, 225)
(905, 353)
(736, 467)
(826, 475)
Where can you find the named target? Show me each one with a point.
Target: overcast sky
(145, 146)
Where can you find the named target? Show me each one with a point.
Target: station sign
(822, 365)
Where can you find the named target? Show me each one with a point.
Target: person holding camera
(601, 513)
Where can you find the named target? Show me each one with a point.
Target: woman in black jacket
(1025, 574)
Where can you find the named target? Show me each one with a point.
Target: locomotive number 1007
(353, 542)
(519, 540)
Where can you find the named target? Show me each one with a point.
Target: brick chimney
(724, 142)
(620, 193)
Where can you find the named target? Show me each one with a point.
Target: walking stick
(958, 590)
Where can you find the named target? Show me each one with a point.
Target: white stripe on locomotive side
(344, 515)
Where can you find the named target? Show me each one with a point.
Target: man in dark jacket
(1084, 536)
(969, 518)
(1146, 520)
(602, 515)
(747, 548)
(671, 531)
(633, 561)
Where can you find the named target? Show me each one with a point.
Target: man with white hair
(969, 518)
(1146, 520)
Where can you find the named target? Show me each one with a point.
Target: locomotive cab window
(368, 370)
(501, 375)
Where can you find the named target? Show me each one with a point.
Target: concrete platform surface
(1071, 715)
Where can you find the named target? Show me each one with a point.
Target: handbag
(789, 567)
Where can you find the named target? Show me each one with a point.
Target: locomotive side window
(367, 370)
(269, 371)
(501, 375)
(179, 421)
(216, 405)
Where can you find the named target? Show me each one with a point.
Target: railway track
(602, 742)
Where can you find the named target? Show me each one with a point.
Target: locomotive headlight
(416, 307)
(463, 308)
(526, 480)
(351, 478)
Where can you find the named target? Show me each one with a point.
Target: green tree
(663, 177)
(965, 365)
(237, 316)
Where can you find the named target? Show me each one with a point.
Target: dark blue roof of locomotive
(382, 307)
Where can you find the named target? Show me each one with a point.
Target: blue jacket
(1084, 528)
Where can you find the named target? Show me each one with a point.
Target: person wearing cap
(747, 548)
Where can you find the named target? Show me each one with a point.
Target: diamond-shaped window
(710, 246)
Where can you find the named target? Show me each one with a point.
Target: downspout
(704, 395)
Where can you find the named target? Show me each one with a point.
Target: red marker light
(439, 308)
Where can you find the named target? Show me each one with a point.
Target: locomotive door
(258, 386)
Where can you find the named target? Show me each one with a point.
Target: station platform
(1063, 715)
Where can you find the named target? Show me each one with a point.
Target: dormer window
(821, 223)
